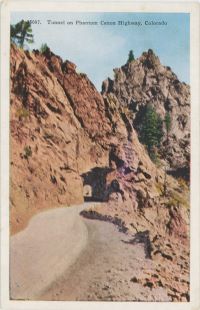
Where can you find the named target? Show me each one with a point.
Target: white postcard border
(94, 6)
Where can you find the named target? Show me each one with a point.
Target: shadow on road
(142, 237)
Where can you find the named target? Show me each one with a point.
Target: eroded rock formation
(146, 81)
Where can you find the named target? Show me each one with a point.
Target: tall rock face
(146, 81)
(57, 120)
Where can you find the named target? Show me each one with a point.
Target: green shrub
(22, 113)
(27, 152)
(44, 48)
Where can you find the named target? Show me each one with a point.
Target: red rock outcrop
(56, 120)
(146, 81)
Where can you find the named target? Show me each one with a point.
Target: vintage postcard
(100, 168)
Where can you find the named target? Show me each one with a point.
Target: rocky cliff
(69, 143)
(146, 81)
(57, 121)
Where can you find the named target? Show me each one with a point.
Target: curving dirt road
(62, 256)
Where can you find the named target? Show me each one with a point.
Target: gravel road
(63, 256)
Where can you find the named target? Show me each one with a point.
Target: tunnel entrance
(94, 184)
(95, 187)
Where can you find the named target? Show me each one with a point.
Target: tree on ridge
(130, 56)
(21, 33)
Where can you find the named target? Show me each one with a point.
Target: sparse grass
(27, 152)
(155, 159)
(178, 199)
(22, 113)
(183, 184)
(159, 187)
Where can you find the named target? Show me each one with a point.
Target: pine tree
(159, 129)
(130, 56)
(151, 130)
(167, 124)
(167, 121)
(21, 33)
(44, 48)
